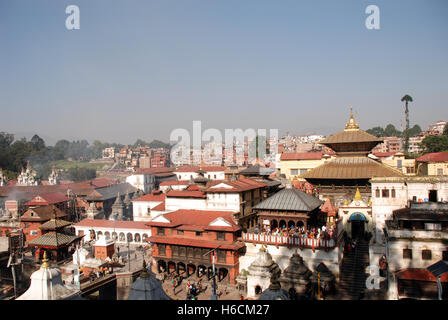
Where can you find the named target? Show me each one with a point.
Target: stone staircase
(352, 273)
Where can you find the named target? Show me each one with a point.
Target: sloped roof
(152, 197)
(291, 200)
(44, 213)
(434, 157)
(54, 224)
(351, 168)
(350, 136)
(110, 192)
(243, 184)
(54, 239)
(198, 218)
(48, 198)
(175, 183)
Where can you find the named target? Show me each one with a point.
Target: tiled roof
(44, 213)
(54, 224)
(54, 239)
(290, 199)
(240, 185)
(48, 198)
(174, 183)
(186, 194)
(351, 168)
(198, 218)
(302, 156)
(112, 224)
(434, 157)
(159, 207)
(110, 192)
(152, 197)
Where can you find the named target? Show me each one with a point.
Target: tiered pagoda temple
(352, 168)
(56, 239)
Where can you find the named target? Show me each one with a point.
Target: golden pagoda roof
(351, 134)
(351, 168)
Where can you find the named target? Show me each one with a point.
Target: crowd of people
(299, 232)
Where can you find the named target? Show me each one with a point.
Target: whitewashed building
(134, 232)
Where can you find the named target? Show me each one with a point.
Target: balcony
(290, 241)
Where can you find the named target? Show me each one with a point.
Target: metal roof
(439, 268)
(291, 200)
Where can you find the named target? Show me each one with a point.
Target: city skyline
(143, 69)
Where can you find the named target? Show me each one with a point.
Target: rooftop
(290, 199)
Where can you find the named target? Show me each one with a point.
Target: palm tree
(407, 99)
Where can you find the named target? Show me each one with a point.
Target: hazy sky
(139, 69)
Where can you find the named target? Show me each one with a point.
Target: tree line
(14, 154)
(391, 131)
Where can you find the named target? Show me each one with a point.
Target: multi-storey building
(416, 237)
(191, 241)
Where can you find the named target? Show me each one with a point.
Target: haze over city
(140, 69)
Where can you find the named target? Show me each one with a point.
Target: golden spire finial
(346, 202)
(357, 195)
(351, 124)
(45, 263)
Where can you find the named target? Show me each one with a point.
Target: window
(426, 255)
(182, 251)
(180, 232)
(377, 193)
(198, 234)
(294, 172)
(175, 251)
(399, 164)
(221, 256)
(432, 196)
(190, 252)
(385, 193)
(445, 255)
(440, 171)
(160, 231)
(407, 253)
(162, 249)
(302, 171)
(392, 193)
(220, 235)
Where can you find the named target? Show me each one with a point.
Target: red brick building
(34, 218)
(182, 239)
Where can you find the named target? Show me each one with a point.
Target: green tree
(415, 130)
(376, 131)
(391, 131)
(432, 144)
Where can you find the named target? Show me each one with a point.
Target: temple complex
(28, 177)
(339, 178)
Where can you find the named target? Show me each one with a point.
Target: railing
(290, 241)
